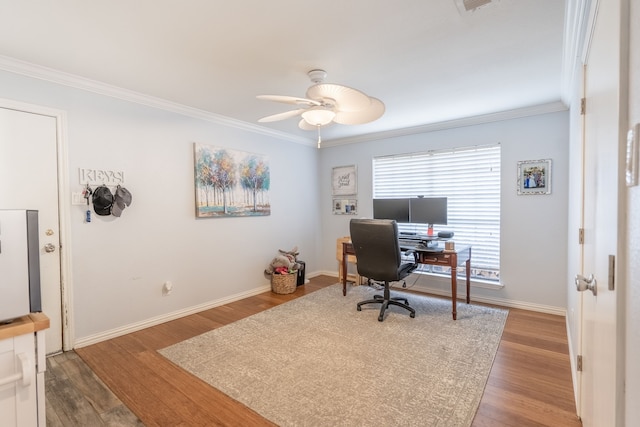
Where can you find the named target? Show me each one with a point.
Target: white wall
(120, 264)
(533, 228)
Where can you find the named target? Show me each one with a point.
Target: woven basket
(284, 283)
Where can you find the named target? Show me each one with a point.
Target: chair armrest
(415, 257)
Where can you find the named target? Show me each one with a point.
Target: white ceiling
(425, 59)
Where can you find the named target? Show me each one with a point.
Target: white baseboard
(127, 329)
(574, 371)
(422, 287)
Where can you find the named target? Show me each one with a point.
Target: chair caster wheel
(412, 315)
(359, 308)
(380, 318)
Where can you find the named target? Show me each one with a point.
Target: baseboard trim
(127, 329)
(133, 327)
(559, 311)
(575, 376)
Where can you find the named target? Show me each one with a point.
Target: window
(470, 179)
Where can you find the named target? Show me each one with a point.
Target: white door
(29, 180)
(601, 341)
(575, 224)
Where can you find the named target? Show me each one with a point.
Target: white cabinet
(22, 367)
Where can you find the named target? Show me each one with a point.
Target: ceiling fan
(327, 103)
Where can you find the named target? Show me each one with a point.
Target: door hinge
(581, 236)
(583, 106)
(579, 363)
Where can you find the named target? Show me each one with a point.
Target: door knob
(49, 247)
(586, 284)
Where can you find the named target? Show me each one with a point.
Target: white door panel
(29, 180)
(600, 338)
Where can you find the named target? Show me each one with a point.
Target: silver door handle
(586, 284)
(49, 247)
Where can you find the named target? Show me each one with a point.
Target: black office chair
(377, 249)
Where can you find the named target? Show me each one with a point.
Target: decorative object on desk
(345, 206)
(449, 246)
(534, 177)
(344, 180)
(230, 182)
(307, 353)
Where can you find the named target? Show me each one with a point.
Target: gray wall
(533, 227)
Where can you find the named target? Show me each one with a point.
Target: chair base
(386, 300)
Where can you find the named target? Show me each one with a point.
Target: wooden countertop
(24, 325)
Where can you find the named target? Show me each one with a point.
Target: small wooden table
(432, 257)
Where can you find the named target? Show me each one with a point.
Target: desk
(450, 258)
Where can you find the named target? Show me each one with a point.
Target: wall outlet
(167, 288)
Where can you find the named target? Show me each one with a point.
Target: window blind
(470, 179)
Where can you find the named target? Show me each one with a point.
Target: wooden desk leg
(468, 268)
(454, 285)
(344, 271)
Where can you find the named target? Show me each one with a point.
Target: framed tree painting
(534, 177)
(230, 182)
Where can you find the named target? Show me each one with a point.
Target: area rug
(317, 361)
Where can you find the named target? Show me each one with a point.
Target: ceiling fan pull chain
(319, 139)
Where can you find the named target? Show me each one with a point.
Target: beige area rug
(317, 361)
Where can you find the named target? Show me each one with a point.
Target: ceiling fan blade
(346, 98)
(304, 125)
(282, 116)
(374, 111)
(288, 100)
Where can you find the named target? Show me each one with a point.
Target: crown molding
(534, 110)
(577, 35)
(59, 77)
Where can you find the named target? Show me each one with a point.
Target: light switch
(77, 198)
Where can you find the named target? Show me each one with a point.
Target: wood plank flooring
(125, 382)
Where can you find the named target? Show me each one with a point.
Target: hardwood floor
(529, 385)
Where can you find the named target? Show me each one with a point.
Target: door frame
(64, 198)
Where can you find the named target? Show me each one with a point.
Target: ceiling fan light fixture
(318, 116)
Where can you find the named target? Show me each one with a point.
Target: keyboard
(418, 246)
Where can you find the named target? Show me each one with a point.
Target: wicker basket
(284, 283)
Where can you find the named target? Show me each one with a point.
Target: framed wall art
(344, 180)
(345, 206)
(230, 182)
(534, 177)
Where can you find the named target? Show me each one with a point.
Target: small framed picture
(534, 177)
(345, 206)
(344, 180)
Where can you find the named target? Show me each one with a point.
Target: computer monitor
(428, 210)
(397, 209)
